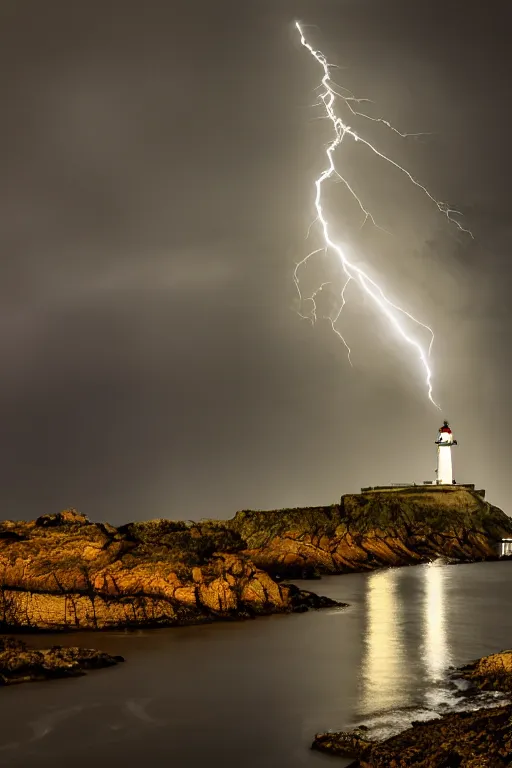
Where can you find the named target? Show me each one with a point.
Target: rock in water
(342, 743)
(481, 739)
(62, 572)
(21, 664)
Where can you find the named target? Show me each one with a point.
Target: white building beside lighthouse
(444, 444)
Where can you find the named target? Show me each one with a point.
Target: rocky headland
(478, 739)
(373, 530)
(21, 664)
(63, 572)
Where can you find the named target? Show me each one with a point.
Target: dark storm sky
(156, 186)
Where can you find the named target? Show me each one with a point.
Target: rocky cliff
(64, 572)
(373, 529)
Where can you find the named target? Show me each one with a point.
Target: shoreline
(481, 738)
(306, 601)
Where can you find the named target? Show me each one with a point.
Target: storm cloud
(156, 189)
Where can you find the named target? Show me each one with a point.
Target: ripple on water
(457, 695)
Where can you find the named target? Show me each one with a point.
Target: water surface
(254, 693)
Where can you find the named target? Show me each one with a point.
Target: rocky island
(21, 664)
(480, 739)
(63, 572)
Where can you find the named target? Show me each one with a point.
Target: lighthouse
(444, 444)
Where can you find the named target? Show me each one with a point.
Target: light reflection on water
(384, 653)
(436, 652)
(400, 610)
(408, 649)
(254, 693)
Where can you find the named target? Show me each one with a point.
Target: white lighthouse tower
(444, 444)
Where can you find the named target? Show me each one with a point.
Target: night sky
(157, 176)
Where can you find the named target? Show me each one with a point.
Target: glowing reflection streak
(384, 659)
(436, 651)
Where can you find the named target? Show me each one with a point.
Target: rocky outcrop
(492, 672)
(373, 529)
(481, 739)
(21, 664)
(62, 572)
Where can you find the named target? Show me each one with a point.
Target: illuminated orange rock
(64, 572)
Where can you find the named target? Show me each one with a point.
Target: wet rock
(21, 664)
(467, 739)
(481, 739)
(343, 743)
(304, 599)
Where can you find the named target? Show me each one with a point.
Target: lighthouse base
(426, 487)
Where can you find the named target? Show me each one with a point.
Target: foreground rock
(343, 743)
(374, 529)
(481, 739)
(21, 664)
(63, 572)
(492, 672)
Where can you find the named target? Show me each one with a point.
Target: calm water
(255, 693)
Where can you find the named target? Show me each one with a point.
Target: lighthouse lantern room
(444, 444)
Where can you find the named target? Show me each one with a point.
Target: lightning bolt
(393, 312)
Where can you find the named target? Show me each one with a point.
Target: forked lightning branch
(391, 312)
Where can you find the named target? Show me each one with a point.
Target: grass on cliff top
(258, 527)
(391, 511)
